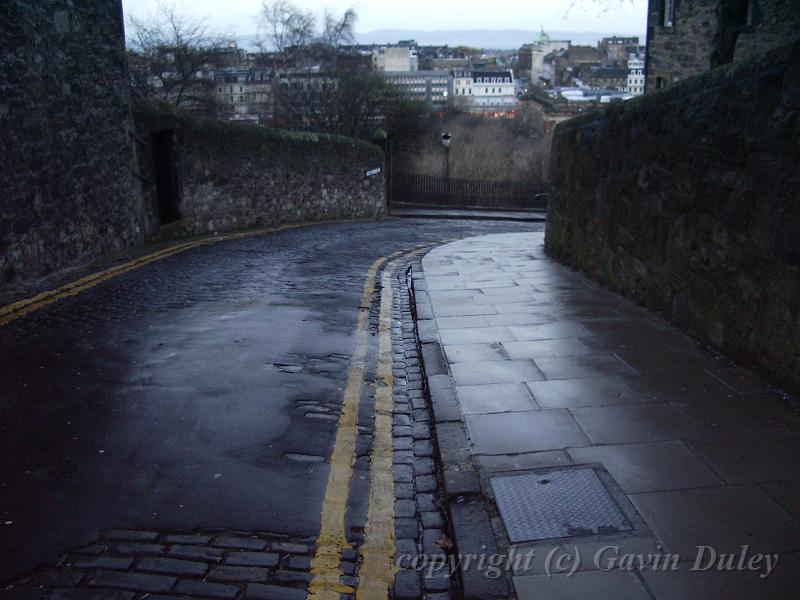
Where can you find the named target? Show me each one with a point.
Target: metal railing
(413, 189)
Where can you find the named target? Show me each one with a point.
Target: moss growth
(153, 115)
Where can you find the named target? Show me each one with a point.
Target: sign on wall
(372, 172)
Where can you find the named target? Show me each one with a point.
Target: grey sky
(612, 16)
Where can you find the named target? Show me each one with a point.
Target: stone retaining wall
(78, 182)
(237, 175)
(688, 200)
(66, 159)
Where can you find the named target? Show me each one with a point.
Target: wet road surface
(199, 391)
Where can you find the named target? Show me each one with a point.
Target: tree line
(316, 79)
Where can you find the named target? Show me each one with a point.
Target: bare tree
(341, 31)
(282, 26)
(169, 56)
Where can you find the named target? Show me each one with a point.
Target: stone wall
(235, 175)
(683, 50)
(777, 23)
(707, 33)
(688, 200)
(66, 159)
(78, 182)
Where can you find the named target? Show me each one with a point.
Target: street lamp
(446, 139)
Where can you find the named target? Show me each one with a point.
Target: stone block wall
(77, 179)
(238, 175)
(688, 201)
(66, 159)
(708, 33)
(777, 23)
(685, 49)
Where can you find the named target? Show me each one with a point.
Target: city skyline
(610, 16)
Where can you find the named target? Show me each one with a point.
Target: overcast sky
(612, 16)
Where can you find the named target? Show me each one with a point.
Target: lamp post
(446, 139)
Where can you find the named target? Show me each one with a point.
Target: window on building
(668, 13)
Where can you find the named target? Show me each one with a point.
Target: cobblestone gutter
(419, 518)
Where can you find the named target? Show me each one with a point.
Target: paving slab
(552, 371)
(633, 423)
(530, 460)
(649, 467)
(614, 585)
(737, 413)
(495, 398)
(752, 457)
(464, 322)
(686, 584)
(787, 493)
(724, 518)
(575, 393)
(582, 367)
(475, 352)
(511, 433)
(545, 348)
(491, 371)
(476, 335)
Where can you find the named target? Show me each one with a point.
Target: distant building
(539, 51)
(400, 58)
(484, 91)
(635, 84)
(524, 60)
(245, 94)
(561, 66)
(689, 38)
(616, 49)
(579, 55)
(604, 78)
(431, 87)
(447, 64)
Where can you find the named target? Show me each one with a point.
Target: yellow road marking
(20, 308)
(325, 566)
(377, 571)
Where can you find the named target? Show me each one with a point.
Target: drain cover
(556, 504)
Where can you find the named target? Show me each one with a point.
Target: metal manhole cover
(556, 504)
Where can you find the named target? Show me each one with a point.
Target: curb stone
(465, 506)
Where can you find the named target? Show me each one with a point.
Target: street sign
(372, 172)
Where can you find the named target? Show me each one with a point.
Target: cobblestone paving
(161, 565)
(129, 564)
(127, 420)
(419, 519)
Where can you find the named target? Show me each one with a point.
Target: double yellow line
(377, 571)
(376, 574)
(326, 564)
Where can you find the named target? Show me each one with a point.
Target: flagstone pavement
(552, 370)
